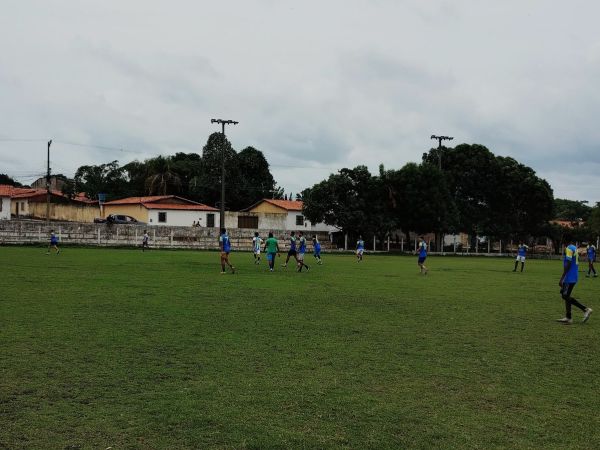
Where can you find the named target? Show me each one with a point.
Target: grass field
(117, 348)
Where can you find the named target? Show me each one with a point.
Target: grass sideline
(104, 348)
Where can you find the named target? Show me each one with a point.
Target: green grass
(116, 348)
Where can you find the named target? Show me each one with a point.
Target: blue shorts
(54, 242)
(422, 259)
(271, 256)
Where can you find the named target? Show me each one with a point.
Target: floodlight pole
(222, 210)
(440, 139)
(48, 185)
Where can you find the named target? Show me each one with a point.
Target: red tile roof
(289, 205)
(190, 207)
(6, 190)
(137, 200)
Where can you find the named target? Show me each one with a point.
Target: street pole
(48, 185)
(222, 209)
(440, 139)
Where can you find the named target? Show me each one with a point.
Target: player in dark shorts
(567, 282)
(292, 251)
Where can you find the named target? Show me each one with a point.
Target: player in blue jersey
(301, 252)
(256, 241)
(53, 243)
(225, 246)
(317, 249)
(521, 253)
(567, 282)
(360, 249)
(591, 257)
(422, 251)
(292, 251)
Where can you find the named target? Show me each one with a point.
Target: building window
(162, 217)
(248, 222)
(300, 220)
(210, 220)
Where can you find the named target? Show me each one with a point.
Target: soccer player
(256, 241)
(422, 256)
(521, 253)
(53, 243)
(567, 282)
(272, 250)
(145, 241)
(591, 256)
(360, 249)
(301, 252)
(225, 245)
(317, 249)
(292, 250)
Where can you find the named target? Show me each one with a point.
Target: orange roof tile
(190, 207)
(136, 200)
(6, 190)
(289, 205)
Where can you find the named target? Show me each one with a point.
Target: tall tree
(5, 179)
(255, 181)
(108, 178)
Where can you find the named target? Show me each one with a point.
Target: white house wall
(181, 218)
(5, 213)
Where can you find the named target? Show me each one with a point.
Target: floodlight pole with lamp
(222, 210)
(440, 139)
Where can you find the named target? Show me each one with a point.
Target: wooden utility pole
(48, 185)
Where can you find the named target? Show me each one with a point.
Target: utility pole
(222, 210)
(48, 186)
(440, 139)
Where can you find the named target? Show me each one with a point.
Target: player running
(256, 242)
(567, 282)
(145, 241)
(317, 249)
(301, 252)
(272, 250)
(225, 245)
(53, 243)
(591, 256)
(422, 249)
(360, 249)
(292, 250)
(521, 253)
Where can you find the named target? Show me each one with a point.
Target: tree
(255, 181)
(5, 179)
(572, 210)
(349, 200)
(162, 179)
(108, 178)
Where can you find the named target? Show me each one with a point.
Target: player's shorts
(421, 259)
(521, 259)
(300, 256)
(292, 253)
(317, 253)
(54, 242)
(271, 256)
(360, 251)
(225, 253)
(257, 251)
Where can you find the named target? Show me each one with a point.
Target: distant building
(270, 214)
(164, 210)
(5, 195)
(56, 183)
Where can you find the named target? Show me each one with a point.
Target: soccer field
(118, 348)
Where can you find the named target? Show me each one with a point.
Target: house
(56, 183)
(5, 195)
(164, 210)
(32, 203)
(269, 214)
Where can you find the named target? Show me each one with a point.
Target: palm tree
(162, 179)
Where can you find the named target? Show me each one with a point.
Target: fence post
(476, 244)
(388, 244)
(402, 244)
(171, 237)
(455, 243)
(374, 243)
(98, 232)
(346, 241)
(489, 249)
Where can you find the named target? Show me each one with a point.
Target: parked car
(119, 219)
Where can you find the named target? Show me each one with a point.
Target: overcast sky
(315, 85)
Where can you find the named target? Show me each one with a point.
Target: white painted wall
(5, 206)
(308, 226)
(181, 218)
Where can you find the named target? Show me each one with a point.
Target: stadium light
(222, 210)
(440, 139)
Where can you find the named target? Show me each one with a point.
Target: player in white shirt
(256, 243)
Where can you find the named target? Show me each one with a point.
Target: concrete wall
(176, 217)
(4, 208)
(65, 211)
(92, 234)
(20, 207)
